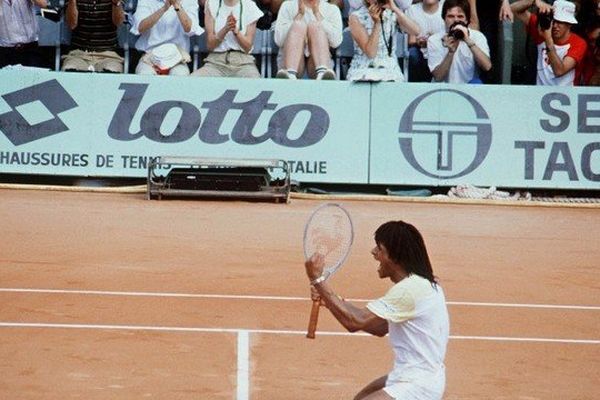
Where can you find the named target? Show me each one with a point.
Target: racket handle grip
(314, 317)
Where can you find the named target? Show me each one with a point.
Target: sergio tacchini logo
(417, 120)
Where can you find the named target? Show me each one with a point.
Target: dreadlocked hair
(406, 247)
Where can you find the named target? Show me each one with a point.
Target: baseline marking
(243, 365)
(273, 298)
(269, 331)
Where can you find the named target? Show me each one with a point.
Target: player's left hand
(314, 266)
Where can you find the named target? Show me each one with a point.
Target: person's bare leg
(372, 388)
(293, 50)
(474, 18)
(319, 48)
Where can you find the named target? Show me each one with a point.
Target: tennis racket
(329, 232)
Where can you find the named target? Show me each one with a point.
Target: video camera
(545, 20)
(457, 33)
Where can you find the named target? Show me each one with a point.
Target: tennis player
(413, 312)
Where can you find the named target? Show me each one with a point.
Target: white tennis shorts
(426, 388)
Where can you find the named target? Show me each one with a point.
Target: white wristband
(318, 280)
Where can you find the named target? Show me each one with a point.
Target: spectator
(588, 14)
(589, 74)
(559, 50)
(428, 16)
(19, 33)
(267, 7)
(402, 4)
(94, 35)
(305, 30)
(230, 28)
(374, 32)
(161, 25)
(457, 54)
(488, 13)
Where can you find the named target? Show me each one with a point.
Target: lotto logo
(52, 96)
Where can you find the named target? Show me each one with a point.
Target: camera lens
(457, 34)
(544, 21)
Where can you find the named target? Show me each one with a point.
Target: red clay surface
(124, 243)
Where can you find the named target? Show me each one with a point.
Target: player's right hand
(314, 294)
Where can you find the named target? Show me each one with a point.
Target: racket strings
(329, 233)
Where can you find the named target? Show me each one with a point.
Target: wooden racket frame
(314, 318)
(316, 305)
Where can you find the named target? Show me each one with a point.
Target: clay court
(111, 296)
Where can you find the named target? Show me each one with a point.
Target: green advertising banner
(335, 132)
(492, 135)
(111, 125)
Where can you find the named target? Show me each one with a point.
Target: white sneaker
(327, 75)
(284, 74)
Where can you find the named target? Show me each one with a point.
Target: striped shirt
(18, 23)
(95, 30)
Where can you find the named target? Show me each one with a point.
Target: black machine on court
(222, 178)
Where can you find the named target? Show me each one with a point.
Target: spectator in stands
(165, 28)
(94, 35)
(588, 14)
(373, 29)
(230, 29)
(560, 51)
(485, 16)
(589, 74)
(402, 4)
(269, 13)
(428, 16)
(305, 30)
(19, 33)
(457, 54)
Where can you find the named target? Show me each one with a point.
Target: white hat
(564, 11)
(166, 56)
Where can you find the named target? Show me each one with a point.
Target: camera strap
(388, 43)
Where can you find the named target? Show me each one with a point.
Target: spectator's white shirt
(574, 47)
(18, 23)
(463, 68)
(356, 4)
(332, 22)
(245, 11)
(168, 29)
(429, 23)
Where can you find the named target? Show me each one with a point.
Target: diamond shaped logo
(20, 129)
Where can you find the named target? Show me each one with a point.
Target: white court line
(271, 331)
(243, 365)
(273, 298)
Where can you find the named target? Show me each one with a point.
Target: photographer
(373, 29)
(559, 50)
(455, 56)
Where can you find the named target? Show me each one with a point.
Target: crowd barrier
(107, 125)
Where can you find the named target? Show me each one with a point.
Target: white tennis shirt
(418, 327)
